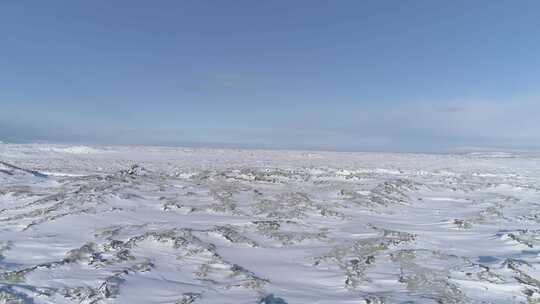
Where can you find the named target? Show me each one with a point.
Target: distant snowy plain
(176, 225)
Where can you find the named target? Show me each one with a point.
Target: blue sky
(340, 75)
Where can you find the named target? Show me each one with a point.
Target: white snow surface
(182, 225)
(70, 149)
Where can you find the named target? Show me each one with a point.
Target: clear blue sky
(342, 75)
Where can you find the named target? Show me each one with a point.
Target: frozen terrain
(161, 225)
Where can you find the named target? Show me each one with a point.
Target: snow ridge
(162, 225)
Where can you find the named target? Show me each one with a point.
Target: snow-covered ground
(164, 225)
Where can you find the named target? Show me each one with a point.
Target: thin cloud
(452, 109)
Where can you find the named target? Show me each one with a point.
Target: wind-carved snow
(163, 225)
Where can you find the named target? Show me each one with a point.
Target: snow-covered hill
(164, 225)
